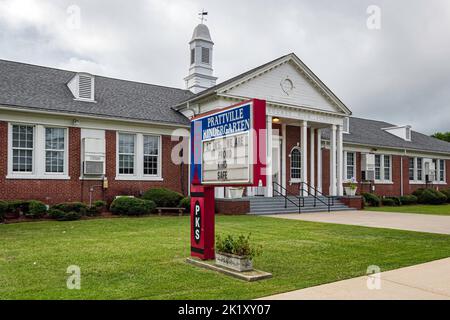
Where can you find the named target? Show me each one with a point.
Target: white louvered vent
(82, 87)
(85, 87)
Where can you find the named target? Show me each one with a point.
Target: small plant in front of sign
(239, 246)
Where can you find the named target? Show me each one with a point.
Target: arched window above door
(296, 164)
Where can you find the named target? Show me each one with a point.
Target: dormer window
(346, 127)
(403, 132)
(82, 87)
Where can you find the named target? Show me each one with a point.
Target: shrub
(239, 246)
(67, 207)
(185, 203)
(20, 207)
(132, 206)
(36, 210)
(163, 197)
(56, 214)
(64, 216)
(99, 205)
(388, 202)
(447, 194)
(407, 200)
(3, 210)
(397, 201)
(372, 199)
(431, 196)
(418, 192)
(71, 216)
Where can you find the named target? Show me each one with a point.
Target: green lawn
(144, 258)
(442, 210)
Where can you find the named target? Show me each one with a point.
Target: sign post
(228, 148)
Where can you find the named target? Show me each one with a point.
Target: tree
(445, 136)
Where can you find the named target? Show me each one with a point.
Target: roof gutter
(103, 117)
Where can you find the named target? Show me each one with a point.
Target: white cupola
(201, 53)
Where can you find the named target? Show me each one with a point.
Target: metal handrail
(330, 199)
(301, 200)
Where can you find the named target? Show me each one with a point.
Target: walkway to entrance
(390, 220)
(424, 281)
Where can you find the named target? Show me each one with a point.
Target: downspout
(401, 175)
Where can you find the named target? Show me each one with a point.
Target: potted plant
(236, 192)
(350, 189)
(236, 253)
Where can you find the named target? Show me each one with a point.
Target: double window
(139, 156)
(37, 151)
(383, 168)
(296, 164)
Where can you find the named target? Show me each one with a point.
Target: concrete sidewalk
(428, 281)
(390, 220)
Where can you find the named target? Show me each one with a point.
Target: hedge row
(421, 196)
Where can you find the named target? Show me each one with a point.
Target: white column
(269, 188)
(319, 160)
(304, 148)
(283, 158)
(340, 157)
(312, 169)
(333, 160)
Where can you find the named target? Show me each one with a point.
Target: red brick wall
(55, 191)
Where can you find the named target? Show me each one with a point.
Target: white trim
(319, 160)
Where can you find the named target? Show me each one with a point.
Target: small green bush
(3, 210)
(431, 196)
(163, 197)
(186, 204)
(132, 206)
(389, 202)
(397, 201)
(239, 246)
(71, 216)
(56, 214)
(99, 204)
(67, 207)
(408, 200)
(447, 194)
(36, 210)
(418, 192)
(20, 207)
(371, 199)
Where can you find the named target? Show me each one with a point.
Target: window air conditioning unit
(94, 156)
(367, 167)
(430, 170)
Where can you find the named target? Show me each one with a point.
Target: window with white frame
(419, 170)
(383, 168)
(349, 165)
(439, 166)
(412, 169)
(22, 148)
(126, 153)
(37, 152)
(151, 155)
(54, 150)
(296, 164)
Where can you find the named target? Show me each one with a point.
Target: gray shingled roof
(370, 133)
(41, 88)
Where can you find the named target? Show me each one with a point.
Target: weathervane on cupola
(203, 15)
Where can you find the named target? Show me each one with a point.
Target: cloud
(399, 73)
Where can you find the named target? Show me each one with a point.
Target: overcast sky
(399, 73)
